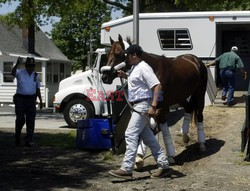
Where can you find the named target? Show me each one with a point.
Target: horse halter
(109, 73)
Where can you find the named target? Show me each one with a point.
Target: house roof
(11, 42)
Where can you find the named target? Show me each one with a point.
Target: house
(52, 65)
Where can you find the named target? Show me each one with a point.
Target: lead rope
(210, 53)
(126, 97)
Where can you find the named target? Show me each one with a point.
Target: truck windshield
(104, 60)
(93, 59)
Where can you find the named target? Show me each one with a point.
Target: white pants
(138, 129)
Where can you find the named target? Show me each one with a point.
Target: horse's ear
(121, 41)
(111, 40)
(120, 38)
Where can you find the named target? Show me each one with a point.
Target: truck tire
(77, 109)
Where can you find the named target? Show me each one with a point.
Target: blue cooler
(93, 134)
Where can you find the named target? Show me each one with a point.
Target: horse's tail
(197, 100)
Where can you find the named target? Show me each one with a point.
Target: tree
(30, 13)
(79, 27)
(38, 11)
(80, 22)
(178, 5)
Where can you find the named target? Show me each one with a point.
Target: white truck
(205, 34)
(82, 96)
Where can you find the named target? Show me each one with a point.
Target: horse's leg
(141, 152)
(167, 138)
(186, 121)
(200, 127)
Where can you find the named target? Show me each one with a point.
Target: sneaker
(223, 98)
(230, 104)
(171, 160)
(160, 173)
(224, 103)
(139, 162)
(119, 173)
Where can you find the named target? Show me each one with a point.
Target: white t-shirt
(140, 81)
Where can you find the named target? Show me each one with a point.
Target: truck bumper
(56, 108)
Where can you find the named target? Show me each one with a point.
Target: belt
(233, 70)
(26, 96)
(139, 101)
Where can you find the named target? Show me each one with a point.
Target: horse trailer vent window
(174, 39)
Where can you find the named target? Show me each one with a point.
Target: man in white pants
(143, 91)
(142, 148)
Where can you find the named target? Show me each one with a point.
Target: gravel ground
(52, 167)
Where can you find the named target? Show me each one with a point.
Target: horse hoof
(185, 138)
(139, 162)
(202, 147)
(171, 160)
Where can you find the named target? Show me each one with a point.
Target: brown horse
(183, 81)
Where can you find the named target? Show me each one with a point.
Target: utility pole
(136, 21)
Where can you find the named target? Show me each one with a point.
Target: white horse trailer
(204, 34)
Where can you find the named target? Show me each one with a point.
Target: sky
(6, 8)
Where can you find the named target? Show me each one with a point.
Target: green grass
(60, 140)
(108, 156)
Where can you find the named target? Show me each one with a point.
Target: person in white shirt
(28, 89)
(143, 90)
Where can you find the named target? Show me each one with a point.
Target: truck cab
(82, 96)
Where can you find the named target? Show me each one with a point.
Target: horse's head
(115, 56)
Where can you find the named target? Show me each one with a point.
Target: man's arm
(157, 92)
(18, 61)
(38, 94)
(122, 74)
(213, 63)
(244, 73)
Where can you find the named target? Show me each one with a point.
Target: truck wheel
(77, 109)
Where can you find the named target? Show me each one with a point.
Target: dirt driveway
(51, 167)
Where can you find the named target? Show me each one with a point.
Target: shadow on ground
(192, 153)
(44, 167)
(241, 99)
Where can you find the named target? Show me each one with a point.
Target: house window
(7, 67)
(174, 39)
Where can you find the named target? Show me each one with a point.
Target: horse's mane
(150, 57)
(128, 40)
(156, 56)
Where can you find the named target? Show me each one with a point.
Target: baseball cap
(234, 48)
(134, 48)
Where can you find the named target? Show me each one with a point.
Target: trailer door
(229, 35)
(242, 40)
